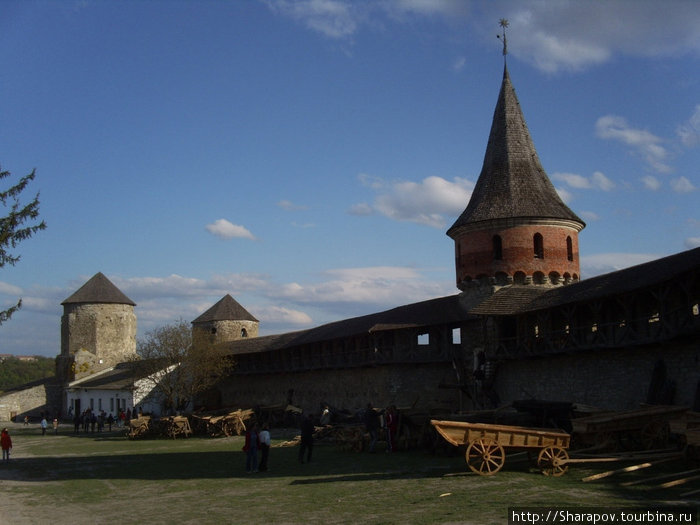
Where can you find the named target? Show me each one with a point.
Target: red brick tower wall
(475, 257)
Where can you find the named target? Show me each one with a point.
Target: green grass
(88, 479)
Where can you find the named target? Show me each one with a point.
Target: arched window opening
(569, 249)
(554, 277)
(244, 333)
(497, 248)
(519, 278)
(213, 329)
(539, 246)
(538, 278)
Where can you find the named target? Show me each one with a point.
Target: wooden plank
(630, 468)
(660, 478)
(677, 482)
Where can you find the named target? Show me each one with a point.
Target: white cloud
(428, 202)
(361, 209)
(290, 206)
(651, 183)
(279, 314)
(644, 143)
(553, 36)
(601, 182)
(596, 181)
(459, 64)
(9, 289)
(682, 185)
(372, 287)
(602, 263)
(332, 18)
(589, 216)
(564, 194)
(689, 133)
(692, 242)
(224, 229)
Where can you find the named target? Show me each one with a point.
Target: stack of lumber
(349, 437)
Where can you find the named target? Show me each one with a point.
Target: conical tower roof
(512, 183)
(227, 309)
(99, 289)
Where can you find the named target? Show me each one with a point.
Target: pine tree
(18, 225)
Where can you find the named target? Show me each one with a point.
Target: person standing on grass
(372, 425)
(55, 426)
(44, 424)
(307, 438)
(6, 444)
(251, 449)
(264, 448)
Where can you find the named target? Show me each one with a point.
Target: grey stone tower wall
(215, 332)
(99, 335)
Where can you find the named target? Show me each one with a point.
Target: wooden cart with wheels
(487, 445)
(644, 428)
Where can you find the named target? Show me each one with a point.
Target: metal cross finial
(504, 23)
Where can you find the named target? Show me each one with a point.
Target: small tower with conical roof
(516, 228)
(226, 321)
(98, 329)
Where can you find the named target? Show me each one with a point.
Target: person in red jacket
(6, 444)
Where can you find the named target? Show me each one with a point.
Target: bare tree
(177, 369)
(16, 226)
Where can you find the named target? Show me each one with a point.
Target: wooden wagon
(487, 444)
(643, 428)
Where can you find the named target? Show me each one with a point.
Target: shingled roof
(227, 309)
(443, 310)
(512, 183)
(99, 289)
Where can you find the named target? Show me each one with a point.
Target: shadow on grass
(328, 465)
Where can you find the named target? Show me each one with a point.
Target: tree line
(15, 372)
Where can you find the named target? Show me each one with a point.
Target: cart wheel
(655, 434)
(552, 461)
(485, 456)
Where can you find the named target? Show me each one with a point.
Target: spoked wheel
(552, 461)
(485, 456)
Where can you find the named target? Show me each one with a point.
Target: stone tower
(516, 228)
(98, 329)
(225, 321)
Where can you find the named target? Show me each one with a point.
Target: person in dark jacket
(307, 438)
(372, 425)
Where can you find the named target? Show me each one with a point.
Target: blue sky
(307, 157)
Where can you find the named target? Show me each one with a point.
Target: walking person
(372, 425)
(6, 444)
(307, 438)
(251, 449)
(264, 448)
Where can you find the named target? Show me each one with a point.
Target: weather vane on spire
(504, 23)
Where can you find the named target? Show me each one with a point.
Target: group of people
(373, 424)
(256, 440)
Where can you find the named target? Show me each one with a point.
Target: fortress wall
(615, 378)
(351, 389)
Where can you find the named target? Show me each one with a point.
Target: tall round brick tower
(225, 321)
(98, 329)
(515, 229)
